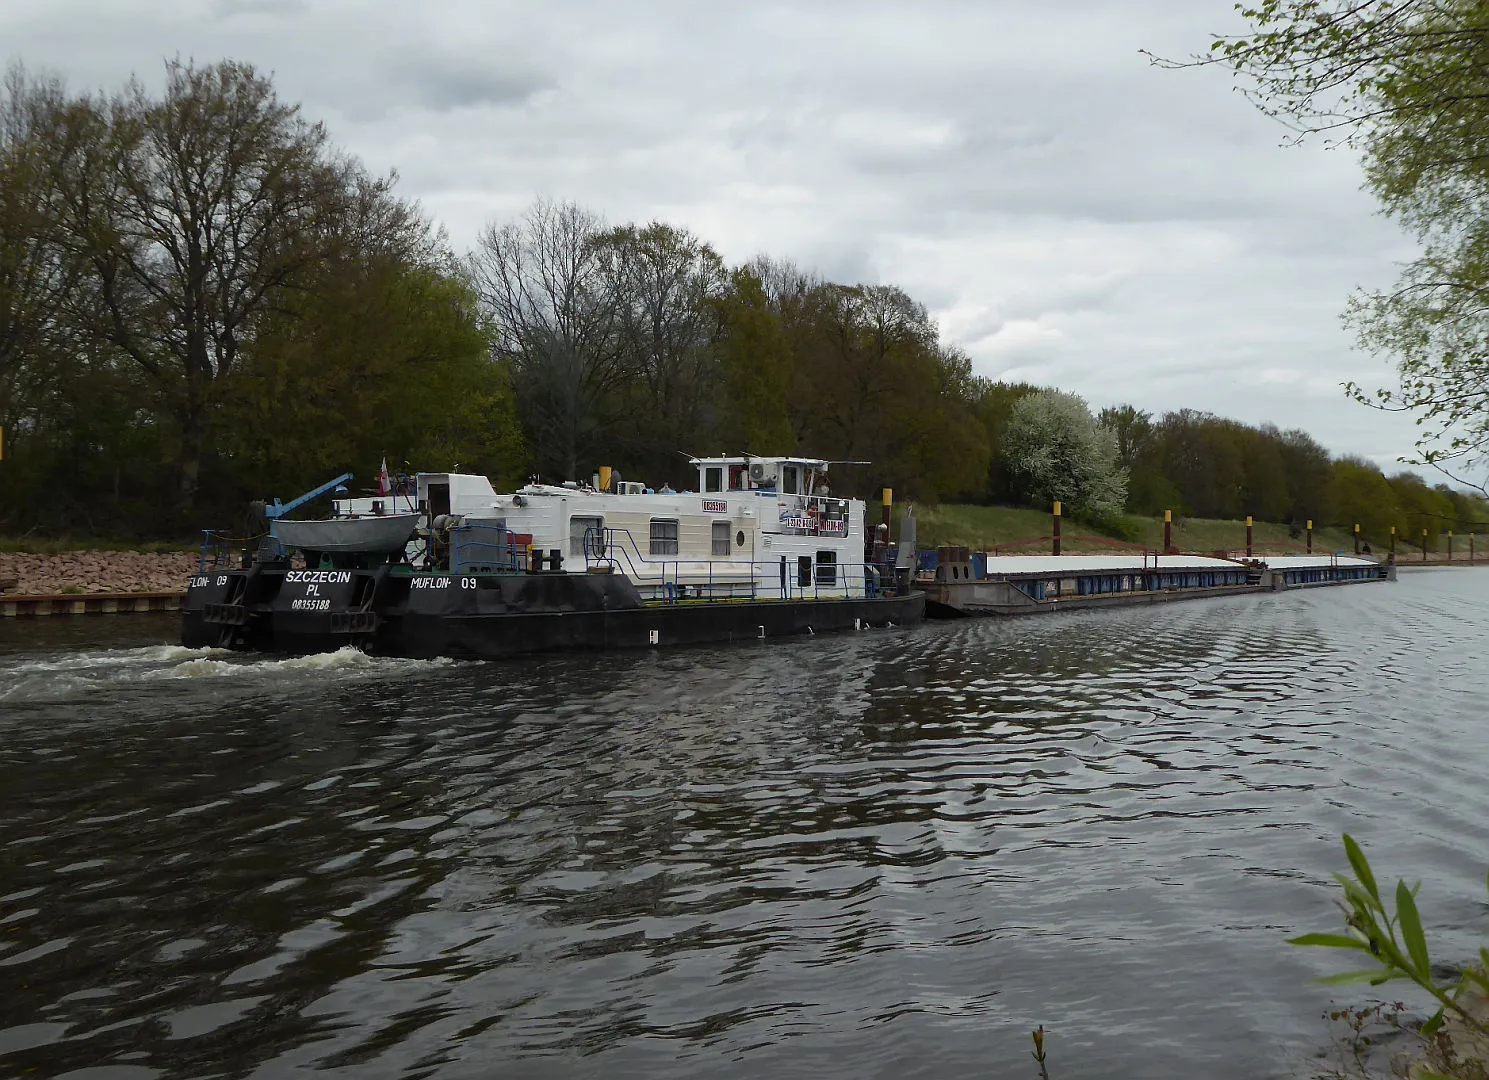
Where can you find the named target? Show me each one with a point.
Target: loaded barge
(960, 583)
(449, 567)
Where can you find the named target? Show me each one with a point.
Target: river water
(884, 854)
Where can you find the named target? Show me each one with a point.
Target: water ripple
(890, 853)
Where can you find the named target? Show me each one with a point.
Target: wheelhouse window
(721, 538)
(713, 478)
(664, 536)
(788, 480)
(827, 568)
(582, 527)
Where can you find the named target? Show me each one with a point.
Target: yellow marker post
(1168, 531)
(1248, 536)
(1310, 536)
(1357, 538)
(1055, 539)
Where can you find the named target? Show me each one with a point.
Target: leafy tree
(1407, 82)
(1057, 450)
(755, 369)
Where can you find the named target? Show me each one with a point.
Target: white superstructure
(759, 527)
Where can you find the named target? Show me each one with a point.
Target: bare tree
(194, 211)
(547, 282)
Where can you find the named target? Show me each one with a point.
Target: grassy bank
(1004, 527)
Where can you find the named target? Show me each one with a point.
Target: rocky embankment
(96, 572)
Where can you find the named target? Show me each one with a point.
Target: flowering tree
(1056, 450)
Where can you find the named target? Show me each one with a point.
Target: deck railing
(674, 580)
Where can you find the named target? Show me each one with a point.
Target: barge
(959, 583)
(761, 550)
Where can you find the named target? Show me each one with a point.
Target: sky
(1071, 214)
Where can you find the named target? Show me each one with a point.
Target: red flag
(384, 482)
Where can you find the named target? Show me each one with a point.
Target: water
(885, 854)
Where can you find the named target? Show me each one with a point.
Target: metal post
(888, 502)
(1310, 536)
(1248, 536)
(1424, 545)
(1393, 543)
(1168, 531)
(1357, 538)
(1470, 548)
(1057, 527)
(1450, 545)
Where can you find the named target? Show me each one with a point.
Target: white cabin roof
(1310, 562)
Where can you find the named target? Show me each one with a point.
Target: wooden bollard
(1056, 536)
(1310, 536)
(1168, 531)
(1248, 536)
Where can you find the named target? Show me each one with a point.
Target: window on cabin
(788, 479)
(827, 568)
(664, 536)
(737, 476)
(590, 528)
(803, 570)
(721, 538)
(713, 478)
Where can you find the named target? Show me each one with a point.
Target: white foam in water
(346, 659)
(89, 672)
(85, 661)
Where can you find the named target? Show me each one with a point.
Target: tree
(668, 285)
(547, 285)
(1056, 450)
(756, 368)
(194, 213)
(1407, 82)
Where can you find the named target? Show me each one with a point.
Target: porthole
(739, 538)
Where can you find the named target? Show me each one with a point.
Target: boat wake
(32, 680)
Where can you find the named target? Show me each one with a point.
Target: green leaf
(1433, 1024)
(1332, 941)
(1366, 975)
(1361, 866)
(1411, 930)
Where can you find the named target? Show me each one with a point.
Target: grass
(1014, 529)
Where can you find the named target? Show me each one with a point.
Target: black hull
(502, 617)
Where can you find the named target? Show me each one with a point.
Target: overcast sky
(1070, 214)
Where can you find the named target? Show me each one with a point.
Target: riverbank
(89, 572)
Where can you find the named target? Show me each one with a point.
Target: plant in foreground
(1397, 949)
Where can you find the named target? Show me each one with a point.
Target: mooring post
(1168, 531)
(1470, 548)
(1393, 543)
(1450, 545)
(1056, 537)
(1424, 545)
(1357, 538)
(1310, 536)
(888, 502)
(1248, 536)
